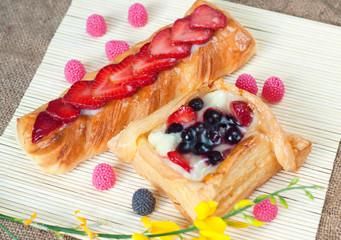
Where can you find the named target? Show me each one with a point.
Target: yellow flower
(211, 235)
(205, 209)
(28, 221)
(242, 203)
(164, 227)
(138, 236)
(85, 227)
(215, 224)
(146, 222)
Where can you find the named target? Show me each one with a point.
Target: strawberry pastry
(217, 143)
(191, 52)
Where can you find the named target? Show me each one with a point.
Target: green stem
(8, 232)
(113, 236)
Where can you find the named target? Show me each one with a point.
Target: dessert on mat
(195, 50)
(216, 143)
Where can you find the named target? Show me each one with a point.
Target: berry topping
(213, 157)
(184, 147)
(137, 15)
(61, 111)
(242, 112)
(79, 95)
(96, 26)
(200, 148)
(161, 46)
(74, 71)
(176, 158)
(273, 89)
(143, 202)
(142, 80)
(143, 63)
(115, 48)
(184, 115)
(174, 128)
(247, 83)
(182, 33)
(212, 116)
(103, 177)
(189, 134)
(207, 17)
(265, 211)
(233, 135)
(43, 126)
(196, 103)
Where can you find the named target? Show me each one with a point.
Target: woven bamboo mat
(304, 54)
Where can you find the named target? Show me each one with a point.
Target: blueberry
(188, 134)
(184, 147)
(198, 127)
(213, 157)
(196, 104)
(215, 137)
(233, 135)
(143, 202)
(200, 148)
(212, 116)
(174, 128)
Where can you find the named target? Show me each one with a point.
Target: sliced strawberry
(207, 17)
(242, 112)
(118, 74)
(161, 46)
(142, 80)
(79, 95)
(144, 63)
(177, 158)
(181, 32)
(43, 126)
(61, 111)
(184, 115)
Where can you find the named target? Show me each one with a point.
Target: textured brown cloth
(26, 28)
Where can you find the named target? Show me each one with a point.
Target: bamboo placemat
(303, 53)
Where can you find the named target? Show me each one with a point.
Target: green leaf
(309, 194)
(294, 181)
(237, 224)
(272, 200)
(260, 198)
(317, 187)
(253, 221)
(58, 234)
(283, 202)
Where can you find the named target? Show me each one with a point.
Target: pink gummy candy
(103, 177)
(96, 26)
(273, 89)
(137, 15)
(265, 211)
(74, 71)
(114, 48)
(247, 83)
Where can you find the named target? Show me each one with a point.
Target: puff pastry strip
(249, 165)
(228, 49)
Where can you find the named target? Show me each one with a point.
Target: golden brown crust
(228, 49)
(249, 165)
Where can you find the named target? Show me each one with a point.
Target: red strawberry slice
(184, 115)
(61, 111)
(43, 126)
(176, 158)
(79, 95)
(242, 112)
(207, 17)
(144, 63)
(181, 32)
(142, 80)
(161, 46)
(118, 74)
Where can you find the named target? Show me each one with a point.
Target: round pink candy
(265, 211)
(114, 48)
(74, 71)
(247, 83)
(103, 177)
(137, 15)
(96, 26)
(273, 89)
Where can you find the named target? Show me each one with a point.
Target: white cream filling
(89, 112)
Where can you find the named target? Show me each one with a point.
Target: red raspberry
(247, 83)
(265, 211)
(273, 89)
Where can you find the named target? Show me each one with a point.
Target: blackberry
(233, 135)
(143, 202)
(212, 116)
(174, 128)
(214, 157)
(196, 104)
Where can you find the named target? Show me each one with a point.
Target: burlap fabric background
(26, 28)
